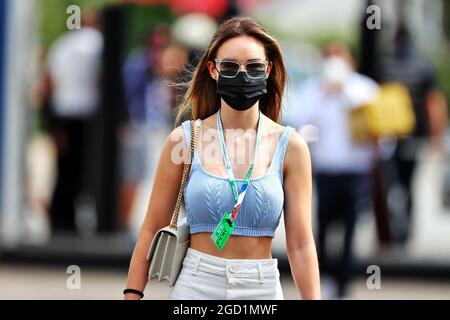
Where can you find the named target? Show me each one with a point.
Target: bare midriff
(237, 247)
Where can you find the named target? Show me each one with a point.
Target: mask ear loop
(218, 98)
(217, 75)
(217, 83)
(218, 71)
(218, 102)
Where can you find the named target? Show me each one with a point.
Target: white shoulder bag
(169, 245)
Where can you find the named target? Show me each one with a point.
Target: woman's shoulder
(297, 152)
(176, 134)
(181, 132)
(180, 136)
(296, 144)
(175, 145)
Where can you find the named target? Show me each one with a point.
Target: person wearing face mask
(242, 92)
(341, 165)
(246, 170)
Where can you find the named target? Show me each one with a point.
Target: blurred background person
(150, 99)
(40, 153)
(341, 165)
(74, 63)
(403, 63)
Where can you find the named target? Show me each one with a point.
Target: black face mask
(241, 92)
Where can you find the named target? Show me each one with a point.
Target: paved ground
(50, 282)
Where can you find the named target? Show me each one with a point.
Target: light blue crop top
(207, 197)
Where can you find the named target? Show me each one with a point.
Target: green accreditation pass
(226, 225)
(223, 230)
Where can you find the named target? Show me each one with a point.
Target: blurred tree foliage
(443, 65)
(53, 16)
(446, 12)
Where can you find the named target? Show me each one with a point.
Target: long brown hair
(201, 99)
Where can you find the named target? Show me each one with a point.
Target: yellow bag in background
(389, 115)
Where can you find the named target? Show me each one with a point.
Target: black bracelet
(134, 291)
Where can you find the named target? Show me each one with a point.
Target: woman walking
(246, 169)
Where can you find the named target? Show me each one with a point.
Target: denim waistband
(232, 268)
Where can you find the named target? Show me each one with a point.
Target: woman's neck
(235, 119)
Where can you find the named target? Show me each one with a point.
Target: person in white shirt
(74, 66)
(74, 63)
(341, 165)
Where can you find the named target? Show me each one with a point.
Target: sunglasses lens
(256, 69)
(229, 68)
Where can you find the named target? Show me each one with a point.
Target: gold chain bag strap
(170, 243)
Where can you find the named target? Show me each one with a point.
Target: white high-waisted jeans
(207, 277)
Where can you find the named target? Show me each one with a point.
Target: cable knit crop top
(207, 196)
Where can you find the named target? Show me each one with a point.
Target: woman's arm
(301, 248)
(160, 208)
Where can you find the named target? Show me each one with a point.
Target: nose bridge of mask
(242, 84)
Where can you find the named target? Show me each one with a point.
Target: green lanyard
(227, 224)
